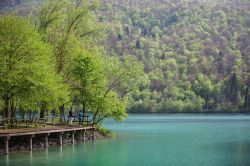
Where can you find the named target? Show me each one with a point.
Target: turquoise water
(155, 140)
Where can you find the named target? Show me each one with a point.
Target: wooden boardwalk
(43, 130)
(46, 131)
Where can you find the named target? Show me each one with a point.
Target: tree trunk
(62, 117)
(42, 113)
(21, 112)
(12, 109)
(83, 109)
(6, 107)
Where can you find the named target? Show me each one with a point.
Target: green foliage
(121, 79)
(106, 132)
(194, 54)
(189, 49)
(25, 62)
(63, 65)
(87, 79)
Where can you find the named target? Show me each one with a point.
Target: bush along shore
(21, 143)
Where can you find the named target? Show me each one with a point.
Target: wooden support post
(46, 140)
(84, 133)
(61, 138)
(73, 136)
(7, 145)
(78, 136)
(31, 142)
(93, 134)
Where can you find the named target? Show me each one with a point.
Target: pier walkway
(31, 133)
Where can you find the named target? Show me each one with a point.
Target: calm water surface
(155, 140)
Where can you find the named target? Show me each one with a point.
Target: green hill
(196, 53)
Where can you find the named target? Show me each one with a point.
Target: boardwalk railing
(30, 127)
(35, 122)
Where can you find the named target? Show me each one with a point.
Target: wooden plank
(46, 131)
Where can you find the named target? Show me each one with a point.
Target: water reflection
(31, 158)
(61, 152)
(46, 159)
(73, 149)
(238, 152)
(7, 160)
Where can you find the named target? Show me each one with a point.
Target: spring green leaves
(54, 61)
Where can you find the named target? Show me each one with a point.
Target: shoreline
(205, 112)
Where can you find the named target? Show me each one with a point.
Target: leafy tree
(68, 27)
(232, 90)
(204, 88)
(122, 78)
(25, 62)
(88, 79)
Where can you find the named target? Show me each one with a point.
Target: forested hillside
(196, 53)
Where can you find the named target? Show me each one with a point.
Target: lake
(155, 140)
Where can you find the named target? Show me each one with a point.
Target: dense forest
(195, 53)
